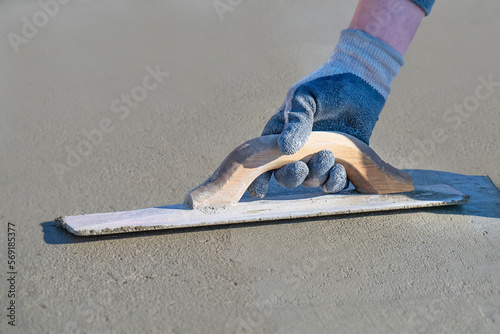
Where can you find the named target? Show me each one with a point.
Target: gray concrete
(432, 270)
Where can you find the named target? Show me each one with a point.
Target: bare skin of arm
(393, 21)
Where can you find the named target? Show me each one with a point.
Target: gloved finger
(298, 121)
(276, 124)
(258, 188)
(319, 168)
(337, 180)
(292, 175)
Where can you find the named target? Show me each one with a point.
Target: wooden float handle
(365, 170)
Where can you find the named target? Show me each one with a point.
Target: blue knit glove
(346, 94)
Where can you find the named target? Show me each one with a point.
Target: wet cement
(432, 270)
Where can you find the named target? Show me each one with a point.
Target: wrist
(368, 58)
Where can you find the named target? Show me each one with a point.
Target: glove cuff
(426, 5)
(367, 57)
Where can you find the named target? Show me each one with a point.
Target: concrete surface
(434, 270)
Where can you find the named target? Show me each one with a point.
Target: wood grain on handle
(365, 170)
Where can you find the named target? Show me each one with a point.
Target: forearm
(395, 22)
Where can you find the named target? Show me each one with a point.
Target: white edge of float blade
(246, 211)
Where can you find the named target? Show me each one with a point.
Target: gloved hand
(346, 95)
